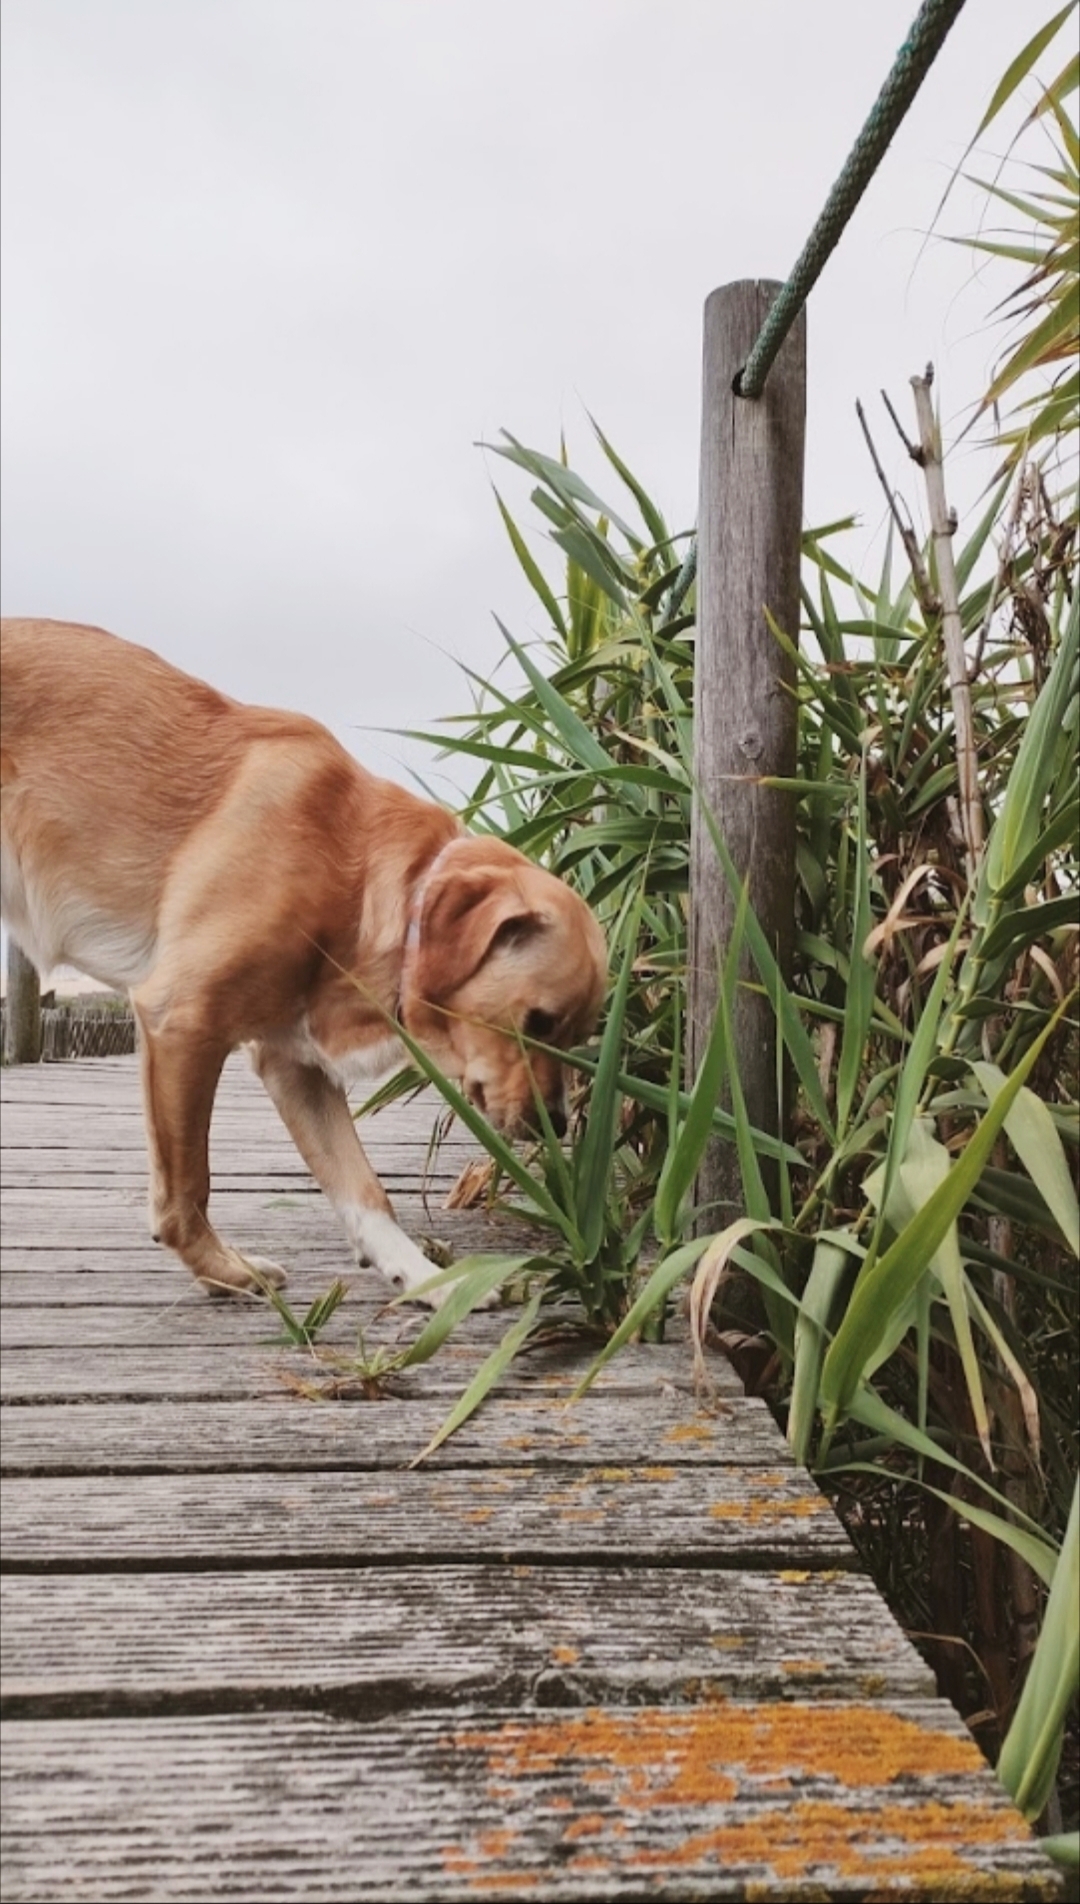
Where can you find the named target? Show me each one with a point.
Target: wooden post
(749, 541)
(22, 1029)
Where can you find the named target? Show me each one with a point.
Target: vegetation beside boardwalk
(915, 1244)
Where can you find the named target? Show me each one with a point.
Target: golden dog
(247, 882)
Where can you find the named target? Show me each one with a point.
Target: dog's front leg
(180, 1075)
(315, 1112)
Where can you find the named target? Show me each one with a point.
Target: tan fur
(247, 882)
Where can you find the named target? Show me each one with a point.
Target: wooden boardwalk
(618, 1651)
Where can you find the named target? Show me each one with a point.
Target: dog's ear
(463, 921)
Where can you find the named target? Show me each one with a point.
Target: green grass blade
(497, 1147)
(1021, 66)
(1030, 1129)
(859, 1000)
(593, 1155)
(827, 1273)
(885, 1286)
(669, 1271)
(537, 580)
(486, 1377)
(793, 1031)
(474, 1277)
(650, 514)
(1040, 1556)
(688, 1139)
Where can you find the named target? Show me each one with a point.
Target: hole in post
(736, 382)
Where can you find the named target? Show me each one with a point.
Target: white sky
(271, 268)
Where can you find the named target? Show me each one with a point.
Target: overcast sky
(272, 267)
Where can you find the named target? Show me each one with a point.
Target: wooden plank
(715, 1517)
(74, 1279)
(108, 1643)
(182, 1311)
(732, 1800)
(227, 1373)
(166, 1437)
(288, 1224)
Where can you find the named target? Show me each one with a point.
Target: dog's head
(501, 952)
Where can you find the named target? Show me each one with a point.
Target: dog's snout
(532, 1124)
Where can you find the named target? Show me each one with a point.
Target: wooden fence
(79, 1031)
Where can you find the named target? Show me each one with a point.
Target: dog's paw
(378, 1240)
(237, 1275)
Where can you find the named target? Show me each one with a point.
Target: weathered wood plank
(146, 1437)
(361, 1639)
(180, 1548)
(732, 1800)
(186, 1313)
(231, 1373)
(714, 1517)
(74, 1279)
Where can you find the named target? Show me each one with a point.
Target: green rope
(912, 64)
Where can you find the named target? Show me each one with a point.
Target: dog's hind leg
(315, 1111)
(180, 1073)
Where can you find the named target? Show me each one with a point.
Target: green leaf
(669, 1271)
(1030, 1129)
(1040, 1556)
(593, 1155)
(651, 516)
(689, 1136)
(827, 1272)
(473, 1277)
(485, 1378)
(859, 999)
(504, 1154)
(1029, 1757)
(537, 580)
(885, 1285)
(792, 1029)
(1064, 1848)
(1021, 66)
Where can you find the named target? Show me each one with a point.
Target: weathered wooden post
(749, 538)
(22, 1026)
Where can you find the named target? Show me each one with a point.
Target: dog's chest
(350, 1061)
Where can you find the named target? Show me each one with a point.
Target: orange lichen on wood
(654, 1757)
(565, 1655)
(922, 1838)
(646, 1759)
(689, 1431)
(496, 1880)
(589, 1825)
(767, 1509)
(496, 1844)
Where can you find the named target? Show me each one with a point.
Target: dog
(247, 882)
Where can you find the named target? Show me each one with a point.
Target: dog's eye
(539, 1024)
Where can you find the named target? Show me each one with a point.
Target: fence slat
(76, 1032)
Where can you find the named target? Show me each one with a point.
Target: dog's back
(110, 760)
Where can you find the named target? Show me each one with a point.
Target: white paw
(378, 1240)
